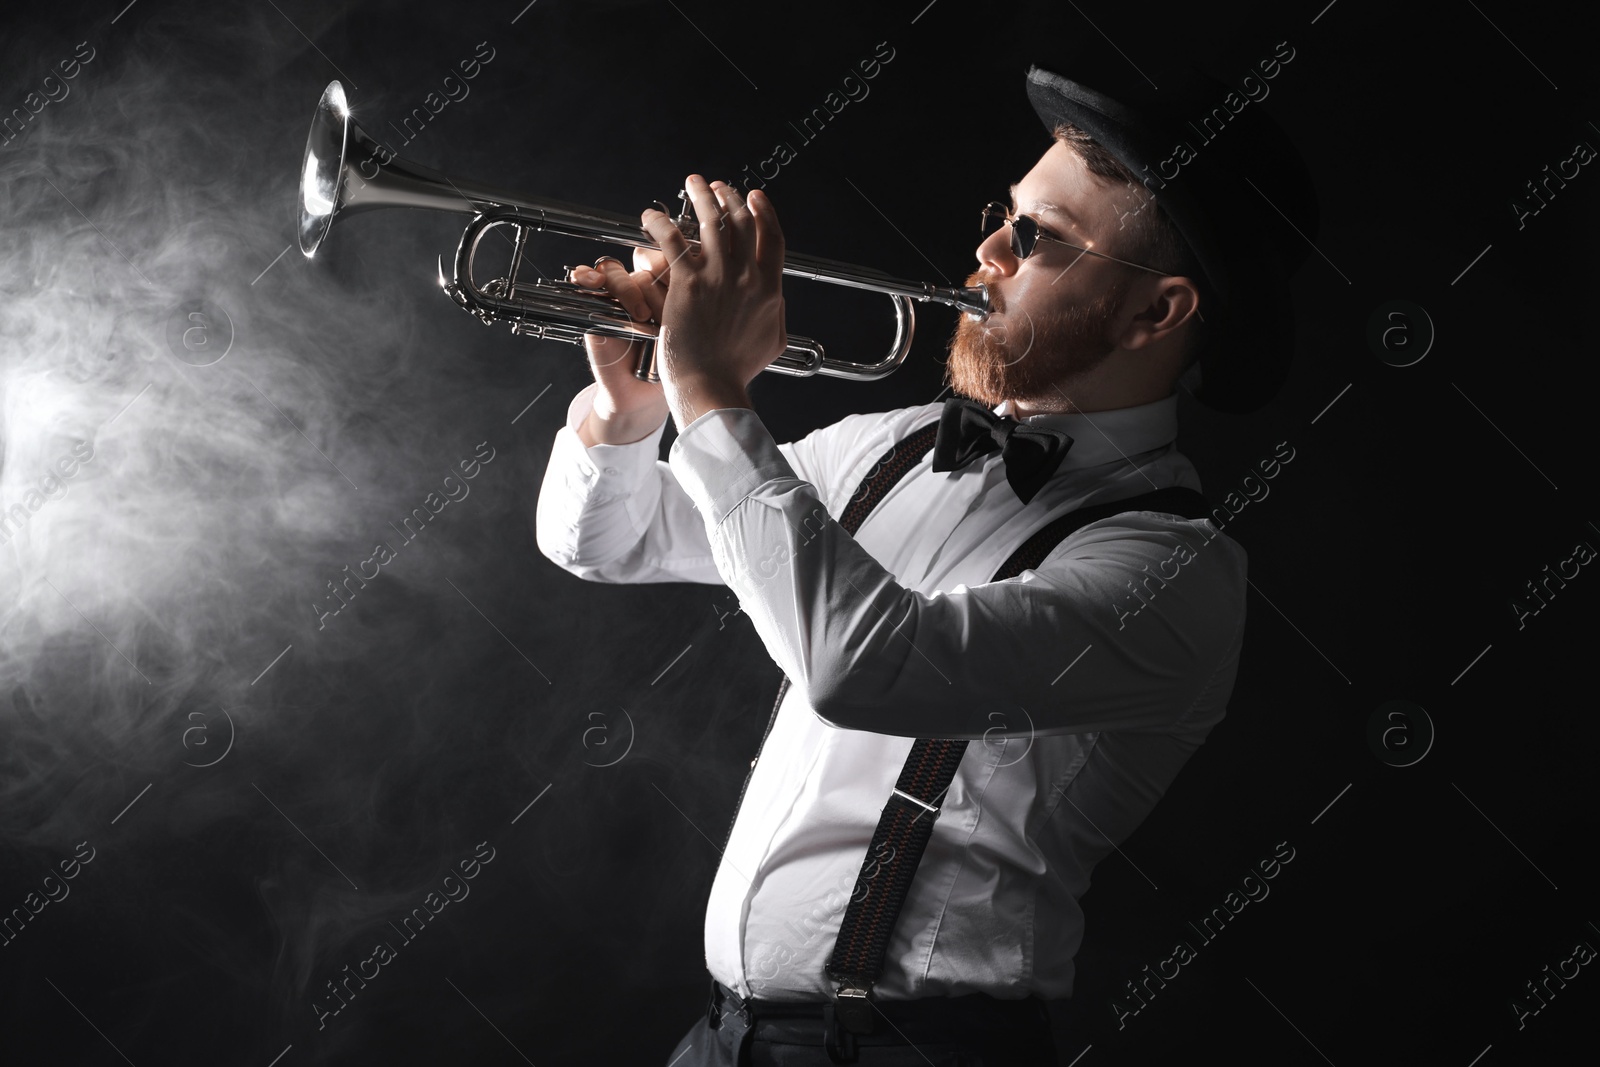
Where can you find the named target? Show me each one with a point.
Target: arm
(608, 510)
(870, 654)
(615, 513)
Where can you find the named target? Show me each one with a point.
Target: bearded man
(1028, 565)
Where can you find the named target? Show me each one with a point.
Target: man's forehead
(1061, 184)
(1037, 205)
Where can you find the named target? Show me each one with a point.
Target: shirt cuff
(722, 457)
(608, 471)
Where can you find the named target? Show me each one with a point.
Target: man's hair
(1155, 240)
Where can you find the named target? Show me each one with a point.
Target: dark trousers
(968, 1031)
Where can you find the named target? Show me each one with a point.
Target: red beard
(1026, 360)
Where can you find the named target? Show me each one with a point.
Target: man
(1090, 677)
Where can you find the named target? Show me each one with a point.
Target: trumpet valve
(685, 220)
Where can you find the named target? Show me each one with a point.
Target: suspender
(907, 819)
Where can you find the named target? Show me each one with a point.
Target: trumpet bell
(322, 169)
(347, 171)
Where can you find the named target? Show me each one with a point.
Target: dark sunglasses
(1026, 234)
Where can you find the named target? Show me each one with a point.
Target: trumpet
(346, 171)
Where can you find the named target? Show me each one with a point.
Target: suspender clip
(854, 1005)
(923, 804)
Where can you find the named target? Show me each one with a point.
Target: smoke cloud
(275, 637)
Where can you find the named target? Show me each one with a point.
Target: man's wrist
(621, 428)
(691, 396)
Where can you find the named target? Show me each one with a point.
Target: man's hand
(625, 409)
(723, 321)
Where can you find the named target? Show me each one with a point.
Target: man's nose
(994, 252)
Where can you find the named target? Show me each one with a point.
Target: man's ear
(1169, 304)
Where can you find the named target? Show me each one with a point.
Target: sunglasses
(1026, 233)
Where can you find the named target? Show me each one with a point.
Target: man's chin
(978, 364)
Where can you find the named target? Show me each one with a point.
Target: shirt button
(611, 470)
(753, 763)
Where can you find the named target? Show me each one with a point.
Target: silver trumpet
(346, 171)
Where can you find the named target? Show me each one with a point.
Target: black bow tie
(968, 430)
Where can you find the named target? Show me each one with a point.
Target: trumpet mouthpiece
(974, 300)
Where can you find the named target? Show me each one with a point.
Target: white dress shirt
(1085, 683)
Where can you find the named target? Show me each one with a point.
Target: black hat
(1232, 183)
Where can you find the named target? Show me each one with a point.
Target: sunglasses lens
(1024, 231)
(1024, 235)
(994, 217)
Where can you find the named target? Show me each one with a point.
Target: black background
(1383, 563)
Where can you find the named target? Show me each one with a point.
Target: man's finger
(655, 261)
(650, 268)
(716, 239)
(624, 289)
(768, 238)
(668, 238)
(735, 214)
(654, 295)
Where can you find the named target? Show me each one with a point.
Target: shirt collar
(1110, 436)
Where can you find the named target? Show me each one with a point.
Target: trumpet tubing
(334, 182)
